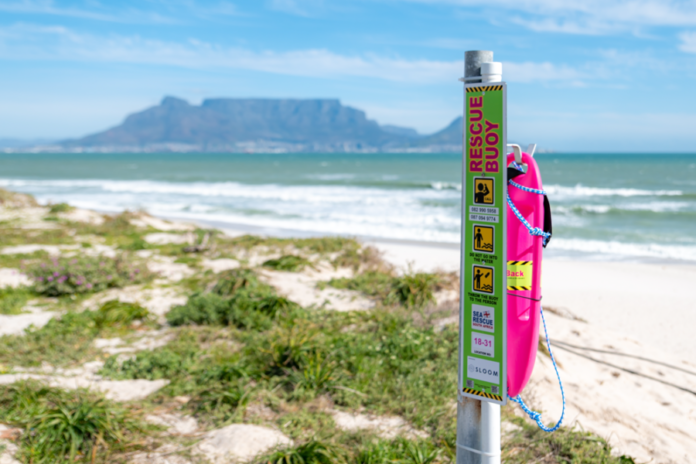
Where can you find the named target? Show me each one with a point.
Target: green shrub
(414, 290)
(236, 279)
(245, 309)
(162, 363)
(115, 313)
(12, 300)
(60, 208)
(410, 290)
(135, 242)
(290, 263)
(67, 276)
(66, 426)
(222, 400)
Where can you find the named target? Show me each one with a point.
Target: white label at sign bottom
(480, 369)
(482, 344)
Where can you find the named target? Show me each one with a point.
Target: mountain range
(261, 125)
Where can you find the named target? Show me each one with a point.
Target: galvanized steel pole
(478, 422)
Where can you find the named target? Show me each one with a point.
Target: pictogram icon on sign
(483, 238)
(483, 190)
(483, 279)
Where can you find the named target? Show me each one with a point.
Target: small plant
(223, 399)
(414, 290)
(162, 363)
(312, 452)
(68, 276)
(290, 263)
(236, 279)
(115, 313)
(318, 374)
(60, 208)
(12, 300)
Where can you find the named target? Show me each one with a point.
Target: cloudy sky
(584, 75)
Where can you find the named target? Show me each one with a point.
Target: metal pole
(478, 422)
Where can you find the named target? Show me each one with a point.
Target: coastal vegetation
(235, 349)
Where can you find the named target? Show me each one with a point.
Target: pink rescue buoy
(524, 254)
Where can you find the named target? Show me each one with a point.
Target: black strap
(512, 173)
(548, 228)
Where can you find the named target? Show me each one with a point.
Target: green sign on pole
(483, 311)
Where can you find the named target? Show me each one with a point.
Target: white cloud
(588, 16)
(96, 13)
(32, 42)
(688, 42)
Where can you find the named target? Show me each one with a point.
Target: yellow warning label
(483, 190)
(483, 238)
(519, 275)
(483, 279)
(471, 391)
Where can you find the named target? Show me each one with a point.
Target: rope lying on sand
(618, 353)
(564, 346)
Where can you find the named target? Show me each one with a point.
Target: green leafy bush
(290, 263)
(67, 276)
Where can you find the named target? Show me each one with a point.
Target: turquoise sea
(605, 206)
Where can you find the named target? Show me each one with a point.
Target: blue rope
(532, 230)
(536, 416)
(526, 189)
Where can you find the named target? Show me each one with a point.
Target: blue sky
(584, 75)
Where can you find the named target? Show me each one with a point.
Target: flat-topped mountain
(236, 124)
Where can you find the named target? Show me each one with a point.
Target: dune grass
(67, 426)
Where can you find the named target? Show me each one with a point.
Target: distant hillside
(449, 136)
(229, 124)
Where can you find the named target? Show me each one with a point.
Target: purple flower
(50, 279)
(109, 277)
(43, 264)
(89, 285)
(137, 271)
(55, 274)
(79, 282)
(40, 279)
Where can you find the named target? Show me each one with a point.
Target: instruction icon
(483, 190)
(483, 279)
(483, 238)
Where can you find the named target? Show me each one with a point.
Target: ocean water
(605, 206)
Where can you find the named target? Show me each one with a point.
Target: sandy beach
(621, 332)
